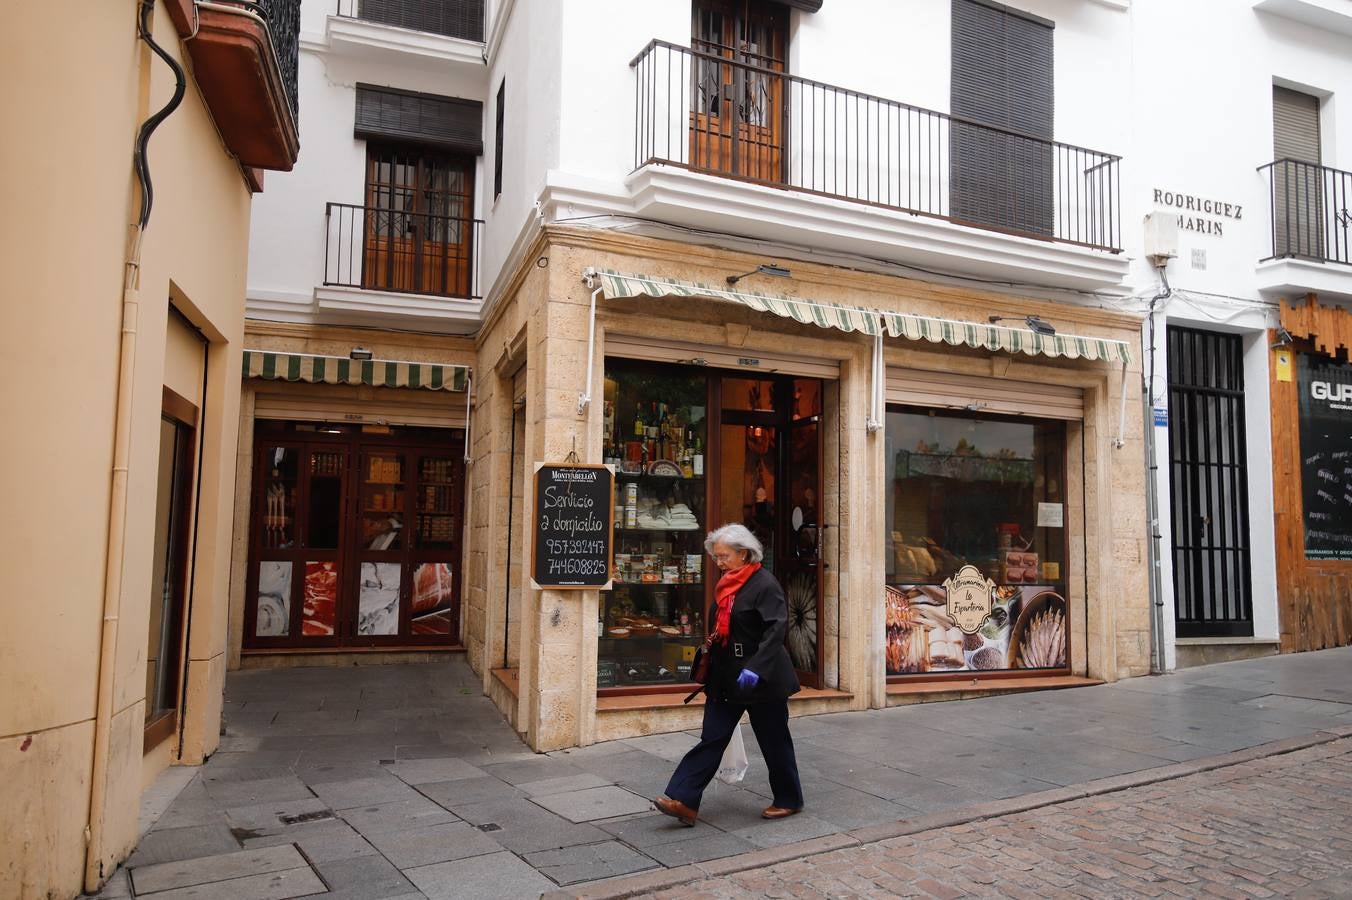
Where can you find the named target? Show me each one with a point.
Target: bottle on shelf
(698, 463)
(640, 426)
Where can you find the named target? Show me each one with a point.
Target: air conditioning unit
(1161, 237)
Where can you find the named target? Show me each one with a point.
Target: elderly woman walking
(749, 671)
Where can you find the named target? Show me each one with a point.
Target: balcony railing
(383, 249)
(712, 114)
(462, 19)
(1311, 213)
(245, 56)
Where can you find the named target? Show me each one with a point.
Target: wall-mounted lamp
(360, 353)
(1035, 324)
(1284, 339)
(775, 271)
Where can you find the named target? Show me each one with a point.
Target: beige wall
(556, 705)
(89, 84)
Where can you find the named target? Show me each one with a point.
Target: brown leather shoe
(677, 810)
(779, 812)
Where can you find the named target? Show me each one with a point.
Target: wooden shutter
(1002, 76)
(411, 117)
(945, 390)
(1297, 179)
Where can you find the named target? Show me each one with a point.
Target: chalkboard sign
(574, 526)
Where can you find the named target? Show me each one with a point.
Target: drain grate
(490, 826)
(300, 818)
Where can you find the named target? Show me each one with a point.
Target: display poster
(1325, 412)
(1026, 628)
(574, 525)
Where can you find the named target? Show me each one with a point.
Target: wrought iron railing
(385, 249)
(283, 20)
(1311, 211)
(713, 114)
(453, 18)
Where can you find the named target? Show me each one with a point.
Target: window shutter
(805, 5)
(497, 137)
(1298, 185)
(454, 18)
(411, 117)
(1002, 77)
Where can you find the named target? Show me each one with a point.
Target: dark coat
(760, 618)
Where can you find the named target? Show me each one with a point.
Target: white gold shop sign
(1200, 214)
(970, 598)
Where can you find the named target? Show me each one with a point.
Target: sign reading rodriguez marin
(1326, 455)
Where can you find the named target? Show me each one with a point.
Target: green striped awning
(341, 370)
(619, 286)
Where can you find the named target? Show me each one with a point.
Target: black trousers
(770, 722)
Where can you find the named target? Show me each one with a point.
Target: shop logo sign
(1336, 393)
(970, 598)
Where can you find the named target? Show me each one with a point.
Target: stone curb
(632, 885)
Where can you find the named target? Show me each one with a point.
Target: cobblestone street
(1280, 826)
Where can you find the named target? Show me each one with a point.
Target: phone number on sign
(577, 567)
(566, 547)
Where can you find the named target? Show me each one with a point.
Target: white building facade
(545, 228)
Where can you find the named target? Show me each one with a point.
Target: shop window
(356, 536)
(173, 513)
(987, 493)
(655, 432)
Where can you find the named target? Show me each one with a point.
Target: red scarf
(726, 590)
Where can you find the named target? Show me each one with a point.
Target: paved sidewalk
(1279, 826)
(399, 781)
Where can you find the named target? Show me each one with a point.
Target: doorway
(768, 477)
(354, 537)
(737, 125)
(1209, 483)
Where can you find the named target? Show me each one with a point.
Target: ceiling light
(360, 353)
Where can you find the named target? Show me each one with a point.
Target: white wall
(287, 239)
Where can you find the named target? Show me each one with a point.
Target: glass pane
(323, 524)
(433, 599)
(382, 519)
(803, 511)
(747, 394)
(652, 620)
(807, 398)
(274, 599)
(378, 599)
(280, 494)
(800, 592)
(319, 613)
(982, 492)
(748, 474)
(436, 503)
(162, 651)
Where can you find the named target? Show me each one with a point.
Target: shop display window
(651, 621)
(987, 492)
(355, 536)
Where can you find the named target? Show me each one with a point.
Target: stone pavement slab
(433, 844)
(301, 882)
(226, 866)
(320, 841)
(490, 877)
(369, 877)
(589, 862)
(594, 803)
(399, 815)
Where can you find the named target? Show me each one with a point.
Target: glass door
(769, 479)
(380, 543)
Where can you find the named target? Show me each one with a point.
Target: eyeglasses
(726, 557)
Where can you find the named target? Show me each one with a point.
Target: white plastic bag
(732, 769)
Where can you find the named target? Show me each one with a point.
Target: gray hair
(738, 537)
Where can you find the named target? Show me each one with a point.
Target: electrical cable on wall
(140, 159)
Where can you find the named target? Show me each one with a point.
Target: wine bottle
(639, 425)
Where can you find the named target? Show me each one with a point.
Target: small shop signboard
(1325, 408)
(574, 526)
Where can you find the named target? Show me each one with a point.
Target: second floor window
(419, 220)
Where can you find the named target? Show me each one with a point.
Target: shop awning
(981, 336)
(341, 370)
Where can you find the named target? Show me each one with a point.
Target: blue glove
(747, 679)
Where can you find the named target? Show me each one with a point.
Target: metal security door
(1209, 485)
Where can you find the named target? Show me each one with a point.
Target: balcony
(869, 174)
(462, 19)
(1309, 250)
(245, 58)
(389, 251)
